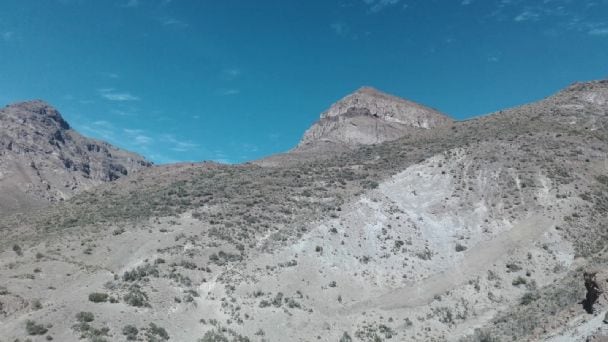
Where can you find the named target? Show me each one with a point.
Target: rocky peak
(42, 159)
(387, 107)
(40, 111)
(369, 116)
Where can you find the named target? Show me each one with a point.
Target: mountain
(369, 116)
(489, 229)
(43, 160)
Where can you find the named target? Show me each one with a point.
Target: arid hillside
(490, 229)
(43, 160)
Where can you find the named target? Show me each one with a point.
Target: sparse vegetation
(529, 297)
(17, 250)
(98, 297)
(519, 281)
(141, 272)
(33, 328)
(155, 333)
(136, 297)
(130, 332)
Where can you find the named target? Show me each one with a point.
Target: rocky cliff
(369, 116)
(42, 159)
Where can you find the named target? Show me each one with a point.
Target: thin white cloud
(375, 6)
(101, 129)
(341, 29)
(177, 144)
(133, 131)
(7, 36)
(466, 2)
(131, 4)
(229, 92)
(230, 74)
(599, 32)
(111, 95)
(103, 123)
(173, 22)
(527, 15)
(111, 75)
(143, 140)
(119, 97)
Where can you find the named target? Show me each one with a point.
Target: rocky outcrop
(369, 116)
(595, 284)
(43, 160)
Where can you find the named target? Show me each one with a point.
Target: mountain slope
(42, 159)
(479, 230)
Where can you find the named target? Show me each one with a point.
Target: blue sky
(231, 81)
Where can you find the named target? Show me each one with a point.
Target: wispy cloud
(229, 92)
(133, 131)
(230, 74)
(173, 22)
(527, 15)
(375, 6)
(177, 144)
(111, 95)
(599, 31)
(466, 2)
(110, 75)
(7, 36)
(138, 137)
(131, 4)
(493, 58)
(143, 140)
(100, 129)
(339, 28)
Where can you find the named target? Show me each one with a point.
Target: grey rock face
(369, 117)
(42, 159)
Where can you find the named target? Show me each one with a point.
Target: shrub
(214, 336)
(603, 179)
(136, 297)
(519, 281)
(130, 332)
(32, 328)
(188, 265)
(156, 333)
(85, 317)
(97, 297)
(460, 248)
(481, 336)
(17, 249)
(369, 184)
(141, 272)
(345, 338)
(36, 305)
(529, 297)
(277, 301)
(513, 267)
